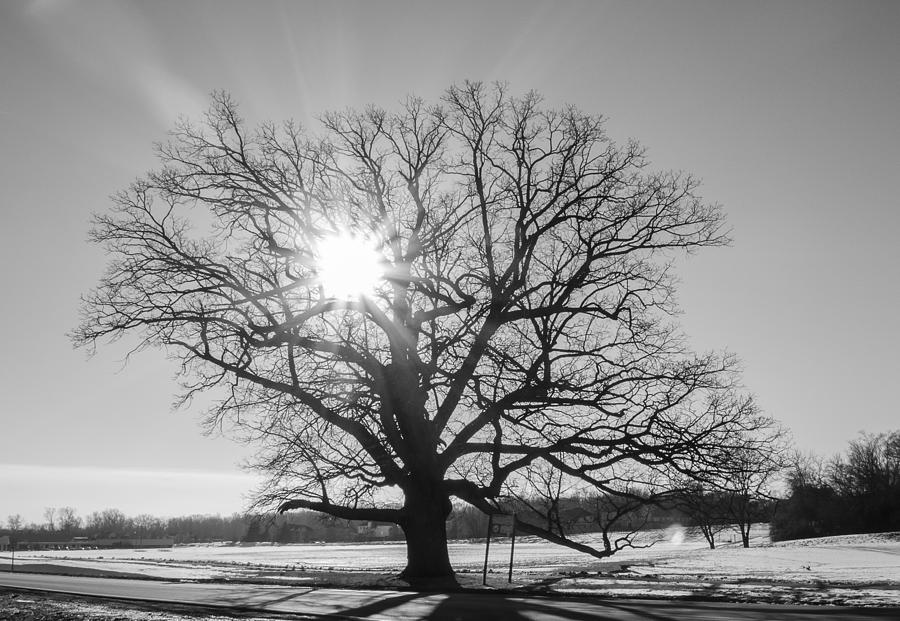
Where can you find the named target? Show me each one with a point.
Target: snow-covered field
(852, 569)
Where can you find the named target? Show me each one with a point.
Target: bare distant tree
(705, 505)
(108, 523)
(68, 519)
(14, 522)
(740, 491)
(523, 316)
(806, 470)
(869, 477)
(49, 515)
(871, 466)
(146, 525)
(749, 492)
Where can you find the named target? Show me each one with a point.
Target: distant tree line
(63, 524)
(858, 492)
(617, 519)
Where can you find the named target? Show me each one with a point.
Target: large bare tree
(520, 311)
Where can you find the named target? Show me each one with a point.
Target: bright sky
(787, 110)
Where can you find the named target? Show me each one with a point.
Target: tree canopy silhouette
(521, 311)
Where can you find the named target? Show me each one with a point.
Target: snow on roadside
(849, 570)
(863, 560)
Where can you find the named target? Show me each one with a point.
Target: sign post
(512, 548)
(487, 548)
(501, 525)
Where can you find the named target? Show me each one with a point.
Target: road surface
(408, 606)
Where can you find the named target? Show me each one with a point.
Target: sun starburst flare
(349, 267)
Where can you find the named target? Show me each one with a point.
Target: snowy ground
(847, 570)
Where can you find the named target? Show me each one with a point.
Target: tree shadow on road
(462, 606)
(493, 606)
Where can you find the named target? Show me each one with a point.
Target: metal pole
(512, 548)
(487, 548)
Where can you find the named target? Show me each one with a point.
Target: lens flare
(349, 267)
(675, 534)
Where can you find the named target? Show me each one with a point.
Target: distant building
(377, 530)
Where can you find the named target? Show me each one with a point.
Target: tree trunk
(425, 528)
(710, 536)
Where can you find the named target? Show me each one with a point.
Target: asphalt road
(405, 605)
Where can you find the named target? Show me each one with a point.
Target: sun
(349, 267)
